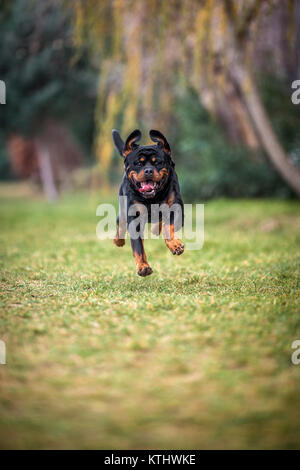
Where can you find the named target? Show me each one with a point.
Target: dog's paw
(175, 246)
(144, 270)
(119, 241)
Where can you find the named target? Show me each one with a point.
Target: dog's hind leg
(142, 266)
(136, 226)
(119, 239)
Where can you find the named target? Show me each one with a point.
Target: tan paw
(175, 246)
(119, 241)
(144, 270)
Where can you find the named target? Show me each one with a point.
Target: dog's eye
(138, 163)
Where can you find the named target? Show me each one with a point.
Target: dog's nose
(148, 171)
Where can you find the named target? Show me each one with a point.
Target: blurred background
(214, 76)
(199, 354)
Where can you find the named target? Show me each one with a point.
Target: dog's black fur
(149, 178)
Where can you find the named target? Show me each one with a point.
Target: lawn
(198, 355)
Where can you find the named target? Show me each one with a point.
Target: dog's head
(147, 166)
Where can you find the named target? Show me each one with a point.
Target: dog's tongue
(146, 186)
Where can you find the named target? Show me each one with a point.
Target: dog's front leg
(174, 244)
(136, 226)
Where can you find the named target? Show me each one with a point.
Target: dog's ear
(162, 142)
(119, 144)
(131, 140)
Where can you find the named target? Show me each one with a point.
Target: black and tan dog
(149, 179)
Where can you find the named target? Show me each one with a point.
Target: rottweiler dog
(149, 182)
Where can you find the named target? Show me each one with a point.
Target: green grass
(198, 355)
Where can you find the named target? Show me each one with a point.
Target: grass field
(198, 355)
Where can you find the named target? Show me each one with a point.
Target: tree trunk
(46, 172)
(241, 77)
(297, 39)
(289, 172)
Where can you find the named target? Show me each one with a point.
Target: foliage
(144, 45)
(209, 166)
(285, 116)
(43, 78)
(196, 356)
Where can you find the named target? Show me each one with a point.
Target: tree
(210, 44)
(240, 74)
(46, 80)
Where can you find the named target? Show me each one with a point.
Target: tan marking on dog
(163, 144)
(171, 199)
(140, 207)
(128, 147)
(142, 266)
(119, 239)
(138, 177)
(157, 176)
(174, 244)
(156, 228)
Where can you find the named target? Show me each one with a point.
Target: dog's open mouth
(147, 187)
